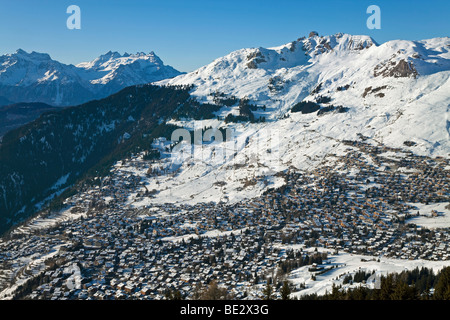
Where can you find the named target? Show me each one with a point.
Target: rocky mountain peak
(36, 77)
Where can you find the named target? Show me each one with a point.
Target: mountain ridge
(353, 71)
(359, 90)
(36, 77)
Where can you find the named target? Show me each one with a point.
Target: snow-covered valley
(347, 177)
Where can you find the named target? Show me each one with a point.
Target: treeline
(418, 284)
(192, 109)
(78, 142)
(297, 260)
(223, 99)
(359, 276)
(330, 108)
(306, 107)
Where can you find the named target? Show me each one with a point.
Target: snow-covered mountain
(36, 77)
(395, 94)
(111, 72)
(375, 81)
(284, 75)
(392, 93)
(340, 142)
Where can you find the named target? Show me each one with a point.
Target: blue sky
(188, 34)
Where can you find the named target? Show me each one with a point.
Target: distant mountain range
(36, 77)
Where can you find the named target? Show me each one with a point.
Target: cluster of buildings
(114, 251)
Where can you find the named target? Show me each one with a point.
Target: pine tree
(386, 288)
(401, 291)
(268, 291)
(285, 291)
(442, 289)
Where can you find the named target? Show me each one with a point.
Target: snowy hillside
(111, 72)
(282, 76)
(393, 93)
(35, 77)
(315, 162)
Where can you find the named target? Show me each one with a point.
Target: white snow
(346, 263)
(412, 109)
(431, 216)
(101, 77)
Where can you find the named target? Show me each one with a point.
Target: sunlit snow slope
(395, 92)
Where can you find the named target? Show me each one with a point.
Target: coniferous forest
(417, 284)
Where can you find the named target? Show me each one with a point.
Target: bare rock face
(370, 90)
(401, 69)
(313, 34)
(254, 58)
(359, 45)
